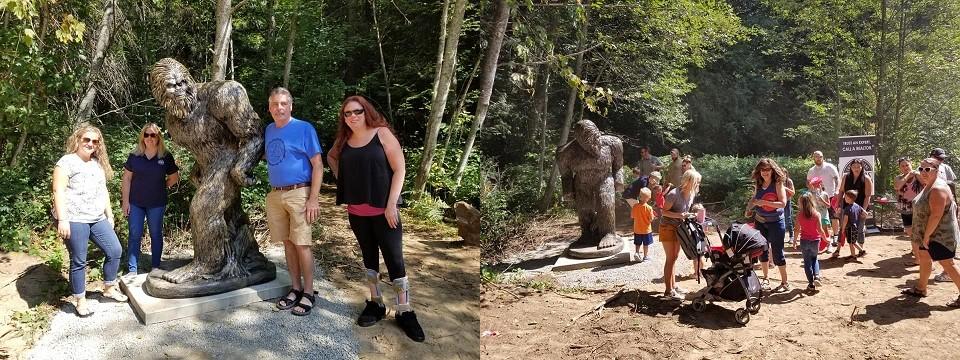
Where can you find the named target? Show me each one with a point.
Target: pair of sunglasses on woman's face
(926, 169)
(94, 141)
(150, 135)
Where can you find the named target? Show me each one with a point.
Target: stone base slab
(566, 263)
(153, 310)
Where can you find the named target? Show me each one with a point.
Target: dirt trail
(858, 313)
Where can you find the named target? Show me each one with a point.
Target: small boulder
(468, 223)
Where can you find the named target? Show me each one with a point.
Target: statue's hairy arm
(237, 114)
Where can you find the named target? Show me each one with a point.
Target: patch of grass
(427, 226)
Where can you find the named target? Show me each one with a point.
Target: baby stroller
(731, 277)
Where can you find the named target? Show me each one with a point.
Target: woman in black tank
(368, 163)
(857, 180)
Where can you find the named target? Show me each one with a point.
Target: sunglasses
(766, 169)
(86, 140)
(357, 112)
(150, 135)
(926, 169)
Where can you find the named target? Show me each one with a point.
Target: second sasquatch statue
(217, 124)
(591, 171)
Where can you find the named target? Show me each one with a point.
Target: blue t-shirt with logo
(148, 187)
(288, 151)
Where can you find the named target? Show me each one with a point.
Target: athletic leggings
(374, 234)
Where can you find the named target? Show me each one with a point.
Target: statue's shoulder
(228, 90)
(611, 140)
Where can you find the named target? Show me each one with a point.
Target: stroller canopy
(743, 239)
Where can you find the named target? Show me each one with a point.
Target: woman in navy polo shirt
(149, 171)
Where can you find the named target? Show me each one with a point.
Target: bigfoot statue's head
(173, 87)
(587, 135)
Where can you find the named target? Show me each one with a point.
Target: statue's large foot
(188, 272)
(610, 240)
(230, 270)
(609, 244)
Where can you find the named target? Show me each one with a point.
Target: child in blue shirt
(853, 217)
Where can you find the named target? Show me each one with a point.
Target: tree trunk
(541, 102)
(383, 64)
(454, 130)
(491, 58)
(441, 45)
(221, 43)
(96, 61)
(881, 107)
(447, 71)
(271, 39)
(547, 200)
(23, 135)
(290, 41)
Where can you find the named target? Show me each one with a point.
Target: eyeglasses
(357, 112)
(766, 169)
(150, 135)
(926, 169)
(95, 141)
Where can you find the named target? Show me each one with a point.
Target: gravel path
(633, 274)
(255, 331)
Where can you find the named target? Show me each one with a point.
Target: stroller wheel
(699, 304)
(742, 316)
(753, 306)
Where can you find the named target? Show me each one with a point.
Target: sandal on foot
(83, 310)
(285, 303)
(913, 292)
(783, 287)
(862, 253)
(955, 303)
(301, 309)
(114, 294)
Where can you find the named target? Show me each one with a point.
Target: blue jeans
(811, 266)
(105, 238)
(154, 218)
(774, 233)
(788, 217)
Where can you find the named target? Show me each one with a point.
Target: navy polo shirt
(148, 188)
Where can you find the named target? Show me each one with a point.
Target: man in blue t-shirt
(295, 171)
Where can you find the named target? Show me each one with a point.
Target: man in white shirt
(831, 184)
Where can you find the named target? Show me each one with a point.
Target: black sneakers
(371, 314)
(408, 322)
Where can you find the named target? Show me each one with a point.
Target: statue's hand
(241, 176)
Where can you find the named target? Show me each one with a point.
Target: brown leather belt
(290, 187)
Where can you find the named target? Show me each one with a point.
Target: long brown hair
(100, 154)
(371, 117)
(806, 205)
(776, 175)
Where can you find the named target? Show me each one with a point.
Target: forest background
(481, 93)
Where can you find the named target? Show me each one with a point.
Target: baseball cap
(816, 180)
(938, 153)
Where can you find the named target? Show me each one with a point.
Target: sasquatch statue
(591, 172)
(215, 122)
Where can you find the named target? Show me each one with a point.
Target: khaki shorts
(668, 232)
(286, 216)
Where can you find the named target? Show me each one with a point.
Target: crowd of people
(366, 160)
(832, 213)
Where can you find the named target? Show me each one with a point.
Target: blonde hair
(689, 178)
(73, 142)
(655, 175)
(645, 193)
(141, 147)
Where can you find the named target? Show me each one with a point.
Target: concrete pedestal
(565, 263)
(153, 310)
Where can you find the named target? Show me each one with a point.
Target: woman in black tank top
(369, 166)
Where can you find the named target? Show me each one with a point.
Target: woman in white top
(81, 205)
